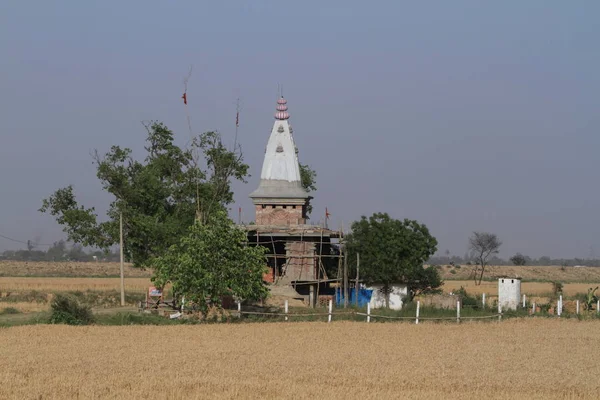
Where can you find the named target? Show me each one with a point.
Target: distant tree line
(517, 259)
(59, 251)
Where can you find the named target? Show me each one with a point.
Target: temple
(300, 255)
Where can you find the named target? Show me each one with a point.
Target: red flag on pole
(327, 213)
(184, 97)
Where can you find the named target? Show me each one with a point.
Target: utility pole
(356, 284)
(345, 275)
(121, 256)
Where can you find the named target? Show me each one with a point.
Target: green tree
(211, 261)
(57, 251)
(308, 177)
(159, 197)
(518, 259)
(393, 251)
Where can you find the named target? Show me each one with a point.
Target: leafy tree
(308, 177)
(425, 280)
(159, 197)
(76, 253)
(393, 251)
(483, 245)
(518, 259)
(211, 261)
(57, 251)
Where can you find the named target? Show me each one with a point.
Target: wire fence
(330, 314)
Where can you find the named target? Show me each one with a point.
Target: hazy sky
(464, 115)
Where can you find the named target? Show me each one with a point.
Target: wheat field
(515, 359)
(68, 268)
(52, 284)
(531, 273)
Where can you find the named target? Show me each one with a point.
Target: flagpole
(237, 122)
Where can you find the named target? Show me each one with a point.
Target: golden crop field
(515, 359)
(51, 284)
(71, 269)
(537, 273)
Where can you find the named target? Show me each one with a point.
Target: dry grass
(100, 269)
(21, 284)
(545, 273)
(303, 360)
(528, 288)
(25, 306)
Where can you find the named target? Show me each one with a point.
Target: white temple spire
(280, 175)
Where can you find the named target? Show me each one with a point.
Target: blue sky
(464, 115)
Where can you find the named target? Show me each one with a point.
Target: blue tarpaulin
(364, 296)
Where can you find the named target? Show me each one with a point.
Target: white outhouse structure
(397, 296)
(509, 293)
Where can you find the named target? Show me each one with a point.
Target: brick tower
(298, 254)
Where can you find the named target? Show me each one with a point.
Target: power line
(22, 242)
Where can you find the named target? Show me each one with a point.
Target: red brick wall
(301, 269)
(269, 277)
(278, 215)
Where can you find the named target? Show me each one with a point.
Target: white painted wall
(398, 296)
(509, 293)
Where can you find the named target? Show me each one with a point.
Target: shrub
(67, 310)
(465, 299)
(453, 272)
(9, 310)
(557, 288)
(544, 307)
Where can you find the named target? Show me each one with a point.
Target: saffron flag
(184, 97)
(327, 213)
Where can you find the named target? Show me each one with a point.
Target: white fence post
(458, 311)
(560, 305)
(368, 312)
(239, 309)
(330, 310)
(577, 307)
(499, 310)
(286, 309)
(533, 308)
(483, 300)
(418, 307)
(598, 307)
(524, 298)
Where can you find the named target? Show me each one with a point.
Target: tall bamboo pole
(122, 262)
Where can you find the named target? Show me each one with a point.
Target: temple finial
(281, 113)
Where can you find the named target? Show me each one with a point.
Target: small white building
(509, 293)
(397, 296)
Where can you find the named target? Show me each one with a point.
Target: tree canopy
(518, 259)
(211, 261)
(393, 251)
(308, 178)
(482, 246)
(159, 197)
